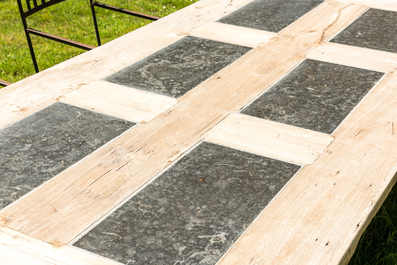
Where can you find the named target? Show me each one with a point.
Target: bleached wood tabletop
(300, 117)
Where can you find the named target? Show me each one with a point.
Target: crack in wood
(332, 23)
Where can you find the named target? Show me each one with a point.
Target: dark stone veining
(178, 68)
(316, 95)
(375, 29)
(270, 15)
(194, 211)
(42, 145)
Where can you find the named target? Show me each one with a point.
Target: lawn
(379, 242)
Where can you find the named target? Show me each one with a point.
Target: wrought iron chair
(94, 4)
(4, 83)
(33, 6)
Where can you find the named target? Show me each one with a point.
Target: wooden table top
(229, 132)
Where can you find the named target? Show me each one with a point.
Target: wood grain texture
(268, 138)
(379, 4)
(27, 96)
(16, 248)
(119, 101)
(319, 216)
(62, 208)
(354, 56)
(233, 34)
(346, 16)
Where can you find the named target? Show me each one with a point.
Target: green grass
(72, 19)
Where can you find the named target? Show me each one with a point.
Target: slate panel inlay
(42, 145)
(315, 95)
(178, 68)
(270, 15)
(375, 29)
(194, 211)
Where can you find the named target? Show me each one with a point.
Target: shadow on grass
(378, 245)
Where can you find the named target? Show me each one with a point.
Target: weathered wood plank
(16, 248)
(347, 16)
(379, 4)
(355, 57)
(119, 101)
(233, 34)
(342, 191)
(59, 210)
(268, 138)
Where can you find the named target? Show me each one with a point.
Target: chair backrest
(33, 6)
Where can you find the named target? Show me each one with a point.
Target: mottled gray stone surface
(42, 145)
(270, 15)
(375, 29)
(315, 95)
(178, 68)
(194, 211)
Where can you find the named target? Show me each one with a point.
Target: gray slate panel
(42, 145)
(315, 95)
(375, 29)
(178, 68)
(270, 15)
(194, 211)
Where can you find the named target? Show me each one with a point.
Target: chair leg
(25, 26)
(36, 67)
(4, 83)
(95, 23)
